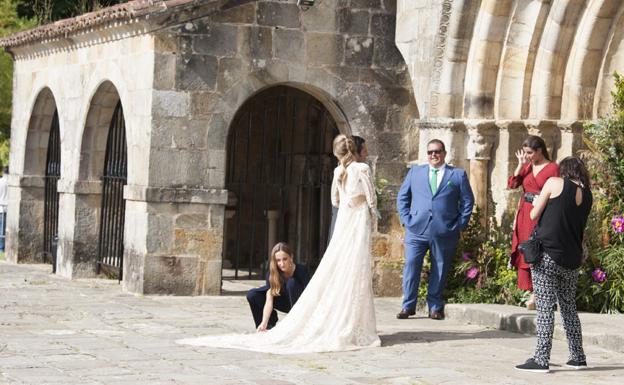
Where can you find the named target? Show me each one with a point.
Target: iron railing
(51, 200)
(110, 244)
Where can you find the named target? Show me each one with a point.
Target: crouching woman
(285, 282)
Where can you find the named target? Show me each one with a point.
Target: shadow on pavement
(432, 336)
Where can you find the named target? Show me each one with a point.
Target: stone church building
(161, 141)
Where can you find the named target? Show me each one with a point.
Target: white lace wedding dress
(336, 310)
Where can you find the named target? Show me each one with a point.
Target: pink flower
(599, 275)
(466, 256)
(472, 273)
(617, 223)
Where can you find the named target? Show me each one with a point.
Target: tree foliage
(46, 11)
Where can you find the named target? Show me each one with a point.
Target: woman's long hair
(534, 143)
(344, 150)
(275, 275)
(572, 167)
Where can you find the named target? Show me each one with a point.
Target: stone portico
(480, 75)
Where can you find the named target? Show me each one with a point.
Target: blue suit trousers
(441, 252)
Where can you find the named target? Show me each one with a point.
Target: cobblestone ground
(56, 331)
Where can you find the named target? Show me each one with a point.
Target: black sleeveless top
(562, 223)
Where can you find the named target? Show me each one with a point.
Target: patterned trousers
(553, 283)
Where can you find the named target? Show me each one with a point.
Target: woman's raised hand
(522, 157)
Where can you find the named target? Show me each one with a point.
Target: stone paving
(57, 331)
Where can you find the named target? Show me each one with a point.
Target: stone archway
(82, 200)
(25, 227)
(279, 172)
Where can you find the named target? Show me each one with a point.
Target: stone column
(79, 222)
(173, 240)
(481, 137)
(272, 217)
(24, 229)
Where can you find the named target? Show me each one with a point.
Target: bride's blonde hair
(344, 150)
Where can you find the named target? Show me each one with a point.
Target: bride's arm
(266, 312)
(369, 190)
(335, 195)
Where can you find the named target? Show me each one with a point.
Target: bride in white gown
(336, 310)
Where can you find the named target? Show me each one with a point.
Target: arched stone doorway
(51, 200)
(279, 173)
(28, 226)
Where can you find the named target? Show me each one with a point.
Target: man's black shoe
(531, 366)
(404, 313)
(578, 365)
(437, 315)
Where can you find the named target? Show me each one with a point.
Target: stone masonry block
(383, 26)
(171, 103)
(217, 132)
(320, 19)
(242, 14)
(257, 43)
(191, 221)
(200, 242)
(354, 22)
(387, 55)
(376, 4)
(278, 15)
(197, 72)
(324, 48)
(173, 275)
(230, 72)
(204, 104)
(164, 71)
(159, 234)
(289, 45)
(219, 40)
(359, 51)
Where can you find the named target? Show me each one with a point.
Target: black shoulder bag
(532, 248)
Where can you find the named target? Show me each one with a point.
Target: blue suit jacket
(442, 214)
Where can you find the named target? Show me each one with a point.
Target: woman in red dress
(534, 168)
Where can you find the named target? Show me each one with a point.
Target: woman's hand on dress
(262, 328)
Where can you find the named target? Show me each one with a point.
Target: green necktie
(434, 180)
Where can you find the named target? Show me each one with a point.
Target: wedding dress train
(336, 310)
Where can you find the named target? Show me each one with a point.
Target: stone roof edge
(121, 12)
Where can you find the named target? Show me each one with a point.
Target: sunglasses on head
(437, 152)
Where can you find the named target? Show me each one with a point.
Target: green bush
(481, 270)
(601, 283)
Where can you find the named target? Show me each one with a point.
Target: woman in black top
(285, 282)
(562, 208)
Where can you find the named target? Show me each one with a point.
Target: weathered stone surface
(366, 3)
(219, 40)
(324, 48)
(240, 14)
(359, 51)
(197, 72)
(230, 71)
(289, 45)
(383, 26)
(170, 275)
(278, 14)
(354, 22)
(387, 55)
(258, 43)
(171, 103)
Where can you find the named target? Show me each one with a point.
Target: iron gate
(51, 200)
(110, 244)
(279, 174)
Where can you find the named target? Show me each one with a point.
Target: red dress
(524, 225)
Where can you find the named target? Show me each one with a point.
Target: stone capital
(482, 134)
(80, 187)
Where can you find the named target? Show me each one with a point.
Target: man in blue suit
(434, 204)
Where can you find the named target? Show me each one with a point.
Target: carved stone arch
(586, 58)
(36, 144)
(613, 61)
